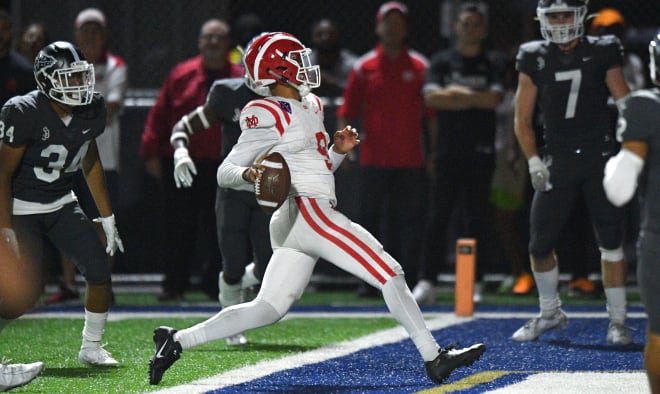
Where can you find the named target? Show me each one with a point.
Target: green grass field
(56, 341)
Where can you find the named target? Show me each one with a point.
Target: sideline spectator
(186, 88)
(16, 76)
(464, 86)
(336, 62)
(384, 92)
(34, 37)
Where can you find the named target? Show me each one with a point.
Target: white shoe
(424, 292)
(229, 294)
(14, 375)
(96, 355)
(249, 279)
(236, 340)
(618, 334)
(249, 284)
(538, 325)
(478, 293)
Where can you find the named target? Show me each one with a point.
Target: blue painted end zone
(398, 368)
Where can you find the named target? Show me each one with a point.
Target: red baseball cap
(391, 6)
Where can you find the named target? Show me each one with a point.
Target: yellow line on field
(468, 382)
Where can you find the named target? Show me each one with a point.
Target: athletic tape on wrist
(178, 135)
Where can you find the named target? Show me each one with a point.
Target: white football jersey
(294, 129)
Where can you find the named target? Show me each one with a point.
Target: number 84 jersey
(53, 150)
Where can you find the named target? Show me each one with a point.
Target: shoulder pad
(266, 113)
(226, 84)
(315, 101)
(533, 46)
(605, 40)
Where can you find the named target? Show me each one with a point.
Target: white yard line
(116, 316)
(265, 368)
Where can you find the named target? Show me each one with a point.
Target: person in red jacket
(184, 90)
(391, 157)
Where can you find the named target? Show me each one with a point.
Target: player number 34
(9, 133)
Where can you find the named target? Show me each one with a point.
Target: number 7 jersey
(572, 93)
(293, 128)
(53, 150)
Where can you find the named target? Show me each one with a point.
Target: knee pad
(611, 255)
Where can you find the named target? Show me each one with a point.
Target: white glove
(111, 234)
(540, 174)
(9, 237)
(184, 168)
(620, 180)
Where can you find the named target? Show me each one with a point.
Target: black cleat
(167, 352)
(449, 359)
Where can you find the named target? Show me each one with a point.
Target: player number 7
(575, 76)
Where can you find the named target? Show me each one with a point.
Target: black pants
(188, 222)
(391, 208)
(71, 232)
(462, 184)
(243, 233)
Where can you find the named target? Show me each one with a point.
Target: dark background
(154, 35)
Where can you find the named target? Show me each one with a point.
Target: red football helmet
(280, 57)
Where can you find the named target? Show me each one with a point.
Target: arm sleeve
(335, 159)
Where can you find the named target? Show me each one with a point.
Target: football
(271, 187)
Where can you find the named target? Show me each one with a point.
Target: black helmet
(63, 74)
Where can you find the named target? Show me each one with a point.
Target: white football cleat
(424, 292)
(14, 375)
(618, 334)
(236, 340)
(96, 355)
(538, 325)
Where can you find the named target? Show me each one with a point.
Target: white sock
(405, 310)
(94, 326)
(229, 321)
(546, 283)
(616, 304)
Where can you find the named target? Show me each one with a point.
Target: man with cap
(391, 160)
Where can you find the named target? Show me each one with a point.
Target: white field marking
(264, 368)
(579, 383)
(117, 316)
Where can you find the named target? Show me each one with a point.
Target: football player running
(638, 161)
(570, 76)
(48, 135)
(306, 227)
(242, 225)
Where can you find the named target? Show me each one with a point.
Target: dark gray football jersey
(54, 151)
(640, 121)
(227, 98)
(572, 94)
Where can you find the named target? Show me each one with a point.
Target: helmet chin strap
(302, 89)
